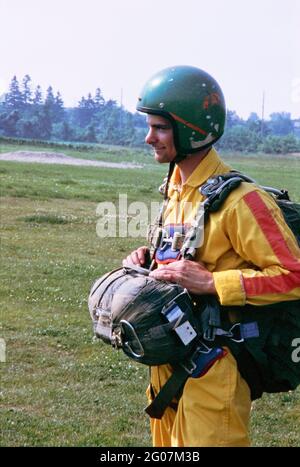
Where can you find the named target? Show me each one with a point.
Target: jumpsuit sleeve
(259, 234)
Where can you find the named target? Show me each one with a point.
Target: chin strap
(178, 158)
(170, 172)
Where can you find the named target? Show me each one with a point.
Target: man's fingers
(164, 274)
(137, 257)
(141, 254)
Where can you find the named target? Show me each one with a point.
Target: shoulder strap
(216, 189)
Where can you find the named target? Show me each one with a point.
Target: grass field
(59, 387)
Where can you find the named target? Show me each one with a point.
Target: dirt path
(60, 158)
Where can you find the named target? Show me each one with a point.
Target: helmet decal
(190, 125)
(211, 99)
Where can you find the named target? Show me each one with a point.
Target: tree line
(279, 134)
(27, 113)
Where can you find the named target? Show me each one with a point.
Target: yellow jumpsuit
(254, 259)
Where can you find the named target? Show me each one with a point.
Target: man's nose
(150, 137)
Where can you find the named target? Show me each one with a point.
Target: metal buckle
(194, 357)
(231, 331)
(124, 324)
(210, 334)
(189, 370)
(210, 186)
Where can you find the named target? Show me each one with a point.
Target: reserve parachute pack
(155, 322)
(269, 358)
(151, 321)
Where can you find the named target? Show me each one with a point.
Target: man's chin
(159, 158)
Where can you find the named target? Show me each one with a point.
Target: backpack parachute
(291, 213)
(270, 362)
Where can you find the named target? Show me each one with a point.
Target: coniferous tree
(26, 93)
(46, 114)
(14, 99)
(58, 100)
(99, 99)
(38, 96)
(80, 113)
(53, 106)
(50, 100)
(85, 111)
(59, 108)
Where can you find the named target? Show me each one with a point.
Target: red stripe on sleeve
(282, 283)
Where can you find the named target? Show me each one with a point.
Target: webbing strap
(170, 389)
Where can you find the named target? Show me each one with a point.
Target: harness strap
(172, 387)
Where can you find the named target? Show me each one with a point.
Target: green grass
(44, 181)
(60, 387)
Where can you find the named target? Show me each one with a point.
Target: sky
(251, 47)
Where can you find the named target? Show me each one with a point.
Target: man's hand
(191, 275)
(137, 257)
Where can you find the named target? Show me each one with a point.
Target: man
(248, 255)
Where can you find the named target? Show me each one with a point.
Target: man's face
(160, 137)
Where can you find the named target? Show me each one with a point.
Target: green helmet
(192, 100)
